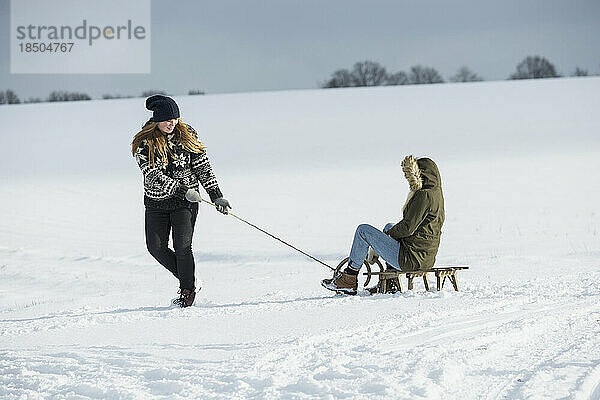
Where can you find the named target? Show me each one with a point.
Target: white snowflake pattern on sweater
(181, 171)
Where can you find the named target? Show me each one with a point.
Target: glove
(193, 196)
(371, 256)
(222, 205)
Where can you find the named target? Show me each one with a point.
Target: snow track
(513, 339)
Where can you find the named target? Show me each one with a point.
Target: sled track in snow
(591, 386)
(491, 341)
(596, 392)
(456, 344)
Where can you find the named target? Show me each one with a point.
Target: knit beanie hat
(164, 108)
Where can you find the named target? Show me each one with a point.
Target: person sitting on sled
(412, 243)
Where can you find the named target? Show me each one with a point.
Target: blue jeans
(366, 235)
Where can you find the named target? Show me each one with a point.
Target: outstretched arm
(203, 171)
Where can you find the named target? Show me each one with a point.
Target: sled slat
(389, 280)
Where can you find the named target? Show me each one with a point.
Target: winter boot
(186, 298)
(343, 283)
(327, 281)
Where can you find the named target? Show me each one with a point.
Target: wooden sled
(389, 278)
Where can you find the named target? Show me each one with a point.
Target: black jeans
(159, 223)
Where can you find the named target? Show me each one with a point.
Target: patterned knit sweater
(166, 183)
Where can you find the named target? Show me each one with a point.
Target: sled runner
(389, 278)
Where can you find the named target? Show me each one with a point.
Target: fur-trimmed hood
(421, 173)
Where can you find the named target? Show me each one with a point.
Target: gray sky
(245, 45)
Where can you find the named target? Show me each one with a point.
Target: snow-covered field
(84, 309)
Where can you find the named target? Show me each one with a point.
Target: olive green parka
(423, 216)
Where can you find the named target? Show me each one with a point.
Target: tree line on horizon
(369, 73)
(10, 97)
(363, 73)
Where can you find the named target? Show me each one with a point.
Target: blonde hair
(157, 143)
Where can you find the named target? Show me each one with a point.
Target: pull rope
(273, 236)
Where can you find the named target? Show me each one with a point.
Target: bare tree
(193, 92)
(368, 73)
(34, 100)
(464, 74)
(63, 95)
(340, 78)
(115, 96)
(421, 75)
(399, 78)
(58, 95)
(11, 97)
(534, 67)
(580, 72)
(2, 98)
(77, 96)
(148, 93)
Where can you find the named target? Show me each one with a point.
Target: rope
(273, 236)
